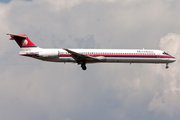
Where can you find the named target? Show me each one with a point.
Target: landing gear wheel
(83, 66)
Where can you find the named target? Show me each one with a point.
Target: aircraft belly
(109, 59)
(56, 59)
(66, 59)
(136, 60)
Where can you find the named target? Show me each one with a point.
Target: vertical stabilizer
(22, 40)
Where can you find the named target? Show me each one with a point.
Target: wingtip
(65, 49)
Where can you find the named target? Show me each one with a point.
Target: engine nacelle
(48, 54)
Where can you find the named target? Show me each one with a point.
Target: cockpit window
(165, 53)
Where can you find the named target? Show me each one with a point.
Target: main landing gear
(167, 66)
(83, 66)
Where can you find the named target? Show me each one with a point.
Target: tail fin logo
(24, 42)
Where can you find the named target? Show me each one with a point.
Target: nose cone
(172, 59)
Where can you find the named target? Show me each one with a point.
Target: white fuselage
(103, 55)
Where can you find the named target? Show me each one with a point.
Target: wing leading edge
(81, 58)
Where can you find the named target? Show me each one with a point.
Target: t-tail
(22, 40)
(28, 48)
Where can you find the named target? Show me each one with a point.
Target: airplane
(86, 56)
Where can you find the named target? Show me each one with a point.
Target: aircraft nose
(173, 59)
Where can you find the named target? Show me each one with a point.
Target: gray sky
(32, 89)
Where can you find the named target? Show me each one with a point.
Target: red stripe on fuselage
(116, 55)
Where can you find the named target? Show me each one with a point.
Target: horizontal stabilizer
(14, 35)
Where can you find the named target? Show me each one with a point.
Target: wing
(80, 58)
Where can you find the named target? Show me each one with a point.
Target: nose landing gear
(167, 66)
